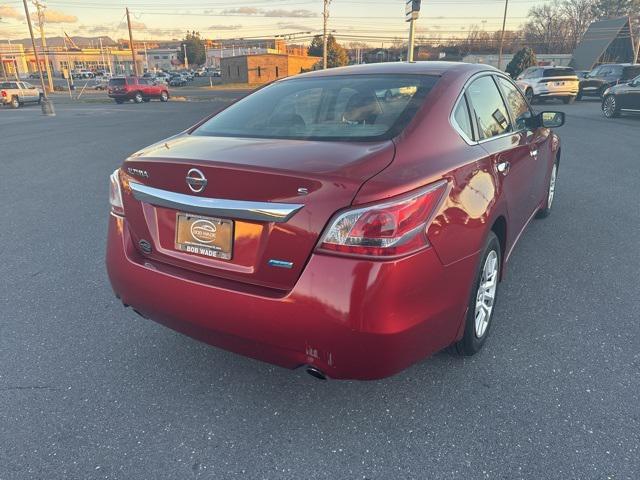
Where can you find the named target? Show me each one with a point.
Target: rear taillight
(392, 228)
(3, 93)
(115, 194)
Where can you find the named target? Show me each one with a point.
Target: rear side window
(488, 108)
(516, 102)
(117, 82)
(8, 85)
(630, 73)
(463, 118)
(558, 72)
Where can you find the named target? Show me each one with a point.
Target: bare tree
(578, 15)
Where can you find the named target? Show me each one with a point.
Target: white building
(160, 58)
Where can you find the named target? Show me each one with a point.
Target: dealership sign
(412, 10)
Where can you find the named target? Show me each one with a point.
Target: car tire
(483, 299)
(545, 211)
(137, 98)
(568, 100)
(164, 97)
(119, 101)
(15, 103)
(146, 100)
(610, 107)
(579, 97)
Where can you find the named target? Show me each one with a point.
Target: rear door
(510, 150)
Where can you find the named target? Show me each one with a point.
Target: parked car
(539, 83)
(311, 224)
(177, 81)
(605, 76)
(101, 84)
(84, 73)
(200, 72)
(16, 94)
(123, 89)
(622, 98)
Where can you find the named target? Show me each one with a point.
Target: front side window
(340, 108)
(515, 102)
(630, 72)
(488, 108)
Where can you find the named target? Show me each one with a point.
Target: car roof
(401, 68)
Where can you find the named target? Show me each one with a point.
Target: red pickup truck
(138, 89)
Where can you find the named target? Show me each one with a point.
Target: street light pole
(504, 23)
(47, 104)
(186, 59)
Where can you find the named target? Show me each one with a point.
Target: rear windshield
(558, 72)
(8, 85)
(117, 82)
(630, 72)
(341, 108)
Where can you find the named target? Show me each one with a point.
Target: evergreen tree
(522, 60)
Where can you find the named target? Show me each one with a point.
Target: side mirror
(551, 119)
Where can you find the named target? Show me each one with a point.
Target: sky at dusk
(216, 19)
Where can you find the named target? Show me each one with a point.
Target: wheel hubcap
(486, 296)
(610, 106)
(552, 185)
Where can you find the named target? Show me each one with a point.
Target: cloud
(259, 12)
(9, 12)
(54, 16)
(241, 11)
(225, 27)
(138, 25)
(299, 13)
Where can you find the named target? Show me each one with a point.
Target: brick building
(263, 68)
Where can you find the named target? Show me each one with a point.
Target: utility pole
(133, 48)
(47, 105)
(504, 23)
(325, 38)
(186, 59)
(43, 40)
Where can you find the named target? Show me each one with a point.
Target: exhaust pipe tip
(315, 373)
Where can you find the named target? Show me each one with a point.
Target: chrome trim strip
(217, 207)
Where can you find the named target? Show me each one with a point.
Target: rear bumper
(347, 317)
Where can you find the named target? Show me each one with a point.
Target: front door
(509, 148)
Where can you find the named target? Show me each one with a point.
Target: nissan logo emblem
(196, 180)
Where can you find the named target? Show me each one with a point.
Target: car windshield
(116, 82)
(340, 108)
(558, 72)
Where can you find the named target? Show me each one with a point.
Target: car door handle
(503, 167)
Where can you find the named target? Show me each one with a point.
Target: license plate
(210, 237)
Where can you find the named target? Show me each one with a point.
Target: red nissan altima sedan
(349, 221)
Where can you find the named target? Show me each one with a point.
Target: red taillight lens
(115, 194)
(392, 228)
(3, 93)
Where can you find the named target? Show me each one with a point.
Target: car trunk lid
(278, 195)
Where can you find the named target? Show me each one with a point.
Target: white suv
(549, 82)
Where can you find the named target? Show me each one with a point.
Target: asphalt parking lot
(90, 390)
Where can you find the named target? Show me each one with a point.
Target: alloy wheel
(486, 295)
(610, 106)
